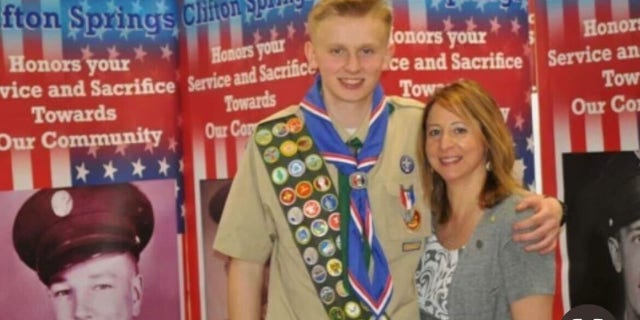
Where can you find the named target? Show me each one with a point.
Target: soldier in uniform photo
(84, 244)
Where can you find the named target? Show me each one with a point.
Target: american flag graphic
(586, 102)
(40, 145)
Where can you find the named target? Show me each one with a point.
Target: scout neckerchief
(376, 290)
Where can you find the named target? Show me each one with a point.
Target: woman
(471, 268)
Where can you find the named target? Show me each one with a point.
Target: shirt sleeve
(246, 229)
(524, 273)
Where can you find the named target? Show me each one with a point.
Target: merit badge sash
(309, 201)
(367, 266)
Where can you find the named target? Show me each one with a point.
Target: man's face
(350, 54)
(629, 264)
(104, 287)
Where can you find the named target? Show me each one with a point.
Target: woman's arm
(537, 307)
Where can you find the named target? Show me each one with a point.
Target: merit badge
(279, 175)
(280, 129)
(319, 274)
(334, 221)
(296, 168)
(352, 309)
(61, 203)
(358, 180)
(410, 217)
(288, 148)
(319, 227)
(338, 243)
(271, 154)
(327, 248)
(327, 295)
(407, 164)
(340, 289)
(334, 267)
(304, 189)
(311, 209)
(294, 125)
(263, 137)
(313, 162)
(336, 313)
(310, 256)
(304, 143)
(303, 236)
(295, 216)
(287, 196)
(329, 202)
(322, 183)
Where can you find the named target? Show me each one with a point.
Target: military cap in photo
(218, 200)
(57, 228)
(620, 191)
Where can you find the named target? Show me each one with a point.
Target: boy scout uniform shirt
(254, 227)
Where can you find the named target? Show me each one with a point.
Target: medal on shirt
(410, 216)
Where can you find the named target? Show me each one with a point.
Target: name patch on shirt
(411, 246)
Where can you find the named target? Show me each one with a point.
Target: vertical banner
(243, 60)
(89, 97)
(588, 58)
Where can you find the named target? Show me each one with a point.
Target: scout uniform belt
(310, 203)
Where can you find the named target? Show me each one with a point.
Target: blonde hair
(467, 99)
(349, 8)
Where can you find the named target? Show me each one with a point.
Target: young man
(85, 245)
(330, 190)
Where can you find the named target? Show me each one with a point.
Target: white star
(291, 30)
(82, 172)
(495, 25)
(274, 33)
(164, 167)
(515, 25)
(471, 26)
(181, 164)
(136, 6)
(121, 149)
(519, 121)
(138, 168)
(93, 150)
(162, 8)
(173, 144)
(257, 37)
(111, 6)
(124, 34)
(182, 210)
(100, 32)
(85, 5)
(448, 26)
(166, 52)
(113, 52)
(530, 145)
(73, 34)
(109, 170)
(176, 189)
(149, 147)
(86, 53)
(140, 53)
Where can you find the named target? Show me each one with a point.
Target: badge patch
(294, 125)
(327, 248)
(288, 148)
(334, 221)
(311, 209)
(322, 183)
(310, 256)
(407, 164)
(304, 189)
(279, 175)
(319, 274)
(334, 267)
(303, 236)
(358, 180)
(296, 168)
(319, 228)
(271, 154)
(352, 309)
(295, 216)
(61, 203)
(263, 137)
(329, 202)
(287, 196)
(304, 143)
(280, 130)
(327, 295)
(314, 162)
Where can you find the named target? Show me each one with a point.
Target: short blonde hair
(349, 8)
(467, 99)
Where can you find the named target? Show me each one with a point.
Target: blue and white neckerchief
(375, 290)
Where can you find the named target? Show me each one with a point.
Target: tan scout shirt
(254, 228)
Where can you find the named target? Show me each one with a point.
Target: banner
(243, 60)
(588, 63)
(89, 97)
